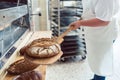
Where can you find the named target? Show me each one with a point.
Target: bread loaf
(21, 66)
(23, 50)
(43, 48)
(30, 75)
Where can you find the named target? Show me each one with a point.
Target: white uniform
(99, 40)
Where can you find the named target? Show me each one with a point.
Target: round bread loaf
(43, 48)
(30, 75)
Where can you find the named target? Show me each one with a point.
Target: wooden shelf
(41, 68)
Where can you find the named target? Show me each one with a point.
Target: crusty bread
(42, 48)
(23, 50)
(30, 75)
(21, 66)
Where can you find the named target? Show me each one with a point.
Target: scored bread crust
(42, 48)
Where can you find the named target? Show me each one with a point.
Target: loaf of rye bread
(41, 48)
(30, 75)
(21, 66)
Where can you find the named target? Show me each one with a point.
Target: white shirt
(99, 40)
(103, 9)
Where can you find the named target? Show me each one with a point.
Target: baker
(101, 28)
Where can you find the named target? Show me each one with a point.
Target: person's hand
(75, 25)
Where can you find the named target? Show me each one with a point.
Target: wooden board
(41, 69)
(45, 61)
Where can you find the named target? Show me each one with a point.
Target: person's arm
(95, 22)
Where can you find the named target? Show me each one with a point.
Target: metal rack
(54, 26)
(61, 14)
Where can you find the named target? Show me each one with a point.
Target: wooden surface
(45, 61)
(41, 68)
(60, 38)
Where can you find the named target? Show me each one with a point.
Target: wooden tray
(41, 68)
(44, 61)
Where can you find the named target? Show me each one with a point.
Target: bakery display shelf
(43, 62)
(41, 69)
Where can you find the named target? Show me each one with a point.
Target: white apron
(99, 43)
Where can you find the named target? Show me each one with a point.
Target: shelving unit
(55, 27)
(61, 14)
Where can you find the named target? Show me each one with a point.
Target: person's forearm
(94, 22)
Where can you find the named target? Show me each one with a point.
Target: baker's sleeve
(104, 10)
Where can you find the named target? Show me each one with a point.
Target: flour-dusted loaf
(30, 75)
(43, 48)
(21, 66)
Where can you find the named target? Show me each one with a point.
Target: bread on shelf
(30, 75)
(42, 48)
(21, 66)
